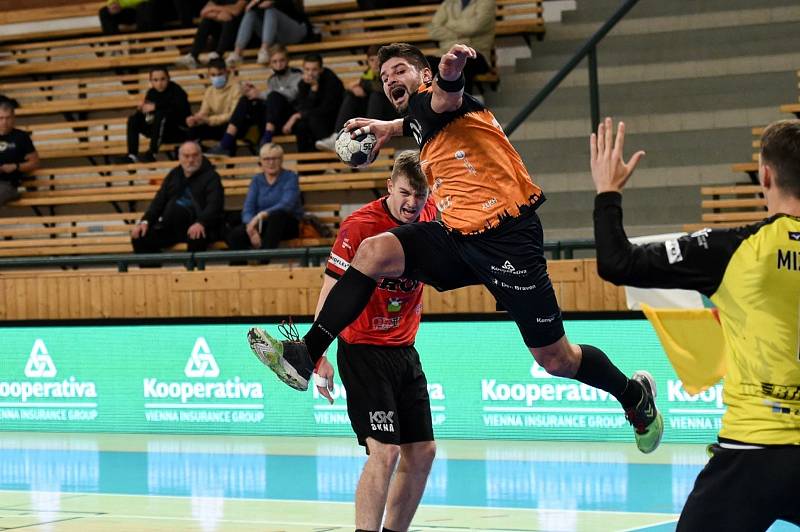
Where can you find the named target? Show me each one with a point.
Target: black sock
(598, 371)
(345, 302)
(388, 530)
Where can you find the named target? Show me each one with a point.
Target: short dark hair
(159, 68)
(406, 163)
(218, 63)
(313, 58)
(412, 54)
(9, 104)
(780, 148)
(373, 50)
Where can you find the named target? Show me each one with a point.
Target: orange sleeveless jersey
(476, 176)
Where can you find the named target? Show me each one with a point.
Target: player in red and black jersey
(387, 392)
(490, 234)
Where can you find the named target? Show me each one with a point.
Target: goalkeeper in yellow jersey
(752, 275)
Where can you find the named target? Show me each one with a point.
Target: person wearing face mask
(318, 97)
(188, 206)
(218, 104)
(161, 116)
(269, 109)
(272, 208)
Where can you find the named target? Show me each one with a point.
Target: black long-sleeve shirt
(752, 275)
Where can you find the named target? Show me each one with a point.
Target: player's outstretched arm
(448, 85)
(382, 129)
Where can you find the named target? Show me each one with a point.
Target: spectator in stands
(219, 21)
(273, 21)
(187, 208)
(161, 117)
(218, 104)
(363, 98)
(469, 22)
(318, 97)
(142, 13)
(272, 209)
(267, 110)
(18, 157)
(186, 11)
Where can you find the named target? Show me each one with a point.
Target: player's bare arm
(324, 371)
(448, 86)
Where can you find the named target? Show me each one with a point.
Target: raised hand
(610, 172)
(452, 63)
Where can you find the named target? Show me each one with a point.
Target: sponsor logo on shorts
(508, 269)
(547, 319)
(382, 421)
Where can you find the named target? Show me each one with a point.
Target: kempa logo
(201, 363)
(39, 364)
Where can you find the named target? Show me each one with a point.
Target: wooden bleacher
(79, 234)
(94, 138)
(147, 49)
(124, 92)
(121, 186)
(134, 185)
(102, 184)
(730, 206)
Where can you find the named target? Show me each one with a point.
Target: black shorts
(744, 489)
(387, 393)
(508, 259)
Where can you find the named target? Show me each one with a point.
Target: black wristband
(407, 126)
(457, 85)
(18, 167)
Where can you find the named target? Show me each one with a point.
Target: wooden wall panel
(246, 291)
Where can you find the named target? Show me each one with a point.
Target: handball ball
(355, 152)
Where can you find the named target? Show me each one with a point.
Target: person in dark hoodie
(187, 208)
(319, 95)
(161, 117)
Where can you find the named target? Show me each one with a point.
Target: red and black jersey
(391, 318)
(476, 176)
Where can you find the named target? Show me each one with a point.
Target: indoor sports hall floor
(121, 483)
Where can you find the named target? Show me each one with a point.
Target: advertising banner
(202, 379)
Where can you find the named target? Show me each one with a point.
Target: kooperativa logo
(201, 363)
(40, 365)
